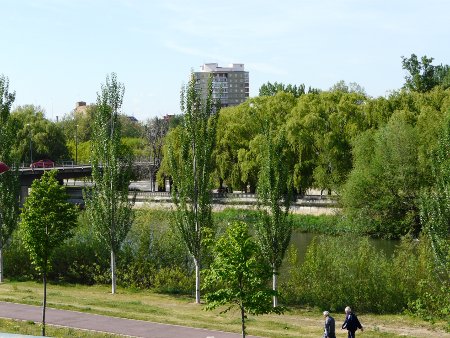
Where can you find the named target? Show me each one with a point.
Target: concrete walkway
(86, 321)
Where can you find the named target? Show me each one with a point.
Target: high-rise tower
(230, 84)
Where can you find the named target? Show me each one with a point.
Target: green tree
(36, 136)
(381, 192)
(107, 202)
(275, 186)
(235, 130)
(435, 207)
(191, 166)
(9, 184)
(269, 89)
(321, 128)
(155, 131)
(352, 87)
(238, 275)
(423, 75)
(46, 221)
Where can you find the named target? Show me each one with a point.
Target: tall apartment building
(230, 84)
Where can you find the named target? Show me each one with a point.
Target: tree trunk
(197, 281)
(1, 261)
(44, 303)
(243, 321)
(275, 286)
(113, 272)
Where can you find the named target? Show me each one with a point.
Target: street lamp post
(76, 144)
(31, 148)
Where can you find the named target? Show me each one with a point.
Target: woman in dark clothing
(351, 323)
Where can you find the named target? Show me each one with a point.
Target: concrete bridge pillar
(24, 191)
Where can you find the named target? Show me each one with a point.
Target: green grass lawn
(181, 310)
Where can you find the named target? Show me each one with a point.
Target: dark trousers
(351, 334)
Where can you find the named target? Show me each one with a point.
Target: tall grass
(347, 270)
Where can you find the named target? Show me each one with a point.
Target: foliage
(275, 186)
(381, 192)
(338, 271)
(151, 250)
(235, 130)
(77, 125)
(36, 136)
(352, 87)
(130, 128)
(269, 89)
(435, 206)
(46, 221)
(423, 76)
(238, 275)
(107, 202)
(9, 185)
(81, 152)
(320, 129)
(154, 132)
(191, 167)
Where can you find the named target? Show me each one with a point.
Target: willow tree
(107, 202)
(9, 184)
(275, 186)
(191, 166)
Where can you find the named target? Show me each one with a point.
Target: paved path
(129, 327)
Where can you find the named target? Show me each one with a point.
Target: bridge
(65, 171)
(27, 175)
(141, 191)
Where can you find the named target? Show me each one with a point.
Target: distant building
(80, 107)
(230, 84)
(168, 117)
(132, 118)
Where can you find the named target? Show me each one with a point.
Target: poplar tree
(9, 182)
(107, 202)
(46, 221)
(274, 193)
(191, 166)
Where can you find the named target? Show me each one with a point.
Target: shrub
(174, 280)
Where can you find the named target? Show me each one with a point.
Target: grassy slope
(182, 311)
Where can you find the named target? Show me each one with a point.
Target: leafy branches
(191, 166)
(239, 275)
(107, 203)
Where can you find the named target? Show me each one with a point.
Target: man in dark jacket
(329, 331)
(351, 323)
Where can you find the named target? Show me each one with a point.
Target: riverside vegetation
(153, 258)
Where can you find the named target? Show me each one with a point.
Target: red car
(43, 164)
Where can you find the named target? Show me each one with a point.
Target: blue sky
(57, 52)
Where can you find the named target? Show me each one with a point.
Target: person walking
(351, 323)
(329, 328)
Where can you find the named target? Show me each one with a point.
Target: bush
(335, 274)
(174, 280)
(16, 260)
(339, 272)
